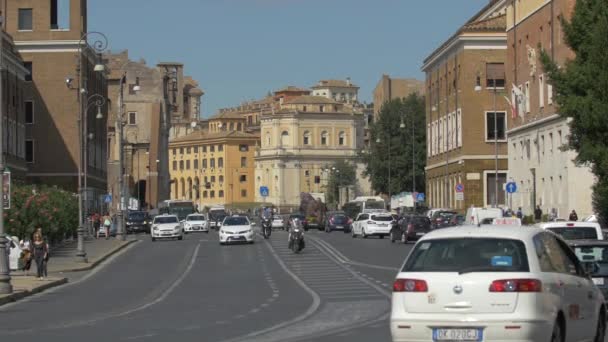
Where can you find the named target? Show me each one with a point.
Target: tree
(581, 91)
(341, 173)
(410, 112)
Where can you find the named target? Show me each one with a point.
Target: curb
(15, 296)
(98, 261)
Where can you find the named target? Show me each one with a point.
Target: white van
(477, 216)
(575, 230)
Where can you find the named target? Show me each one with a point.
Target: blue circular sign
(511, 187)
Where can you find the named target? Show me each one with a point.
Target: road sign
(264, 191)
(107, 198)
(420, 197)
(459, 187)
(460, 196)
(511, 187)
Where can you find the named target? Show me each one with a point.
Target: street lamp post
(5, 275)
(98, 46)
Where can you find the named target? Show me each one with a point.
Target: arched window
(211, 163)
(307, 138)
(239, 126)
(220, 162)
(284, 138)
(189, 188)
(341, 138)
(205, 194)
(324, 136)
(220, 193)
(183, 186)
(232, 126)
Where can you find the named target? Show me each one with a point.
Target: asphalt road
(337, 289)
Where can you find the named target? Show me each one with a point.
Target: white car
(195, 223)
(575, 230)
(368, 224)
(495, 283)
(236, 229)
(166, 227)
(278, 222)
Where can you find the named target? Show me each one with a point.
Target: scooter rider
(295, 223)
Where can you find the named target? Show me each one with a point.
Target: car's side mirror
(591, 267)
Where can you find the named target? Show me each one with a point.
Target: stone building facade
(545, 174)
(465, 86)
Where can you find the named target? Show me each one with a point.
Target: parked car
(593, 254)
(476, 215)
(575, 230)
(300, 217)
(313, 222)
(410, 228)
(195, 223)
(457, 220)
(137, 222)
(337, 221)
(442, 218)
(495, 283)
(369, 224)
(166, 227)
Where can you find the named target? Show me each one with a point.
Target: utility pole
(120, 234)
(5, 276)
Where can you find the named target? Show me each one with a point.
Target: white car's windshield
(468, 255)
(167, 219)
(195, 218)
(236, 221)
(575, 233)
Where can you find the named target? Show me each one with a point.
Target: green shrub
(528, 220)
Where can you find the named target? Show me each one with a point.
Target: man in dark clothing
(573, 216)
(538, 214)
(520, 214)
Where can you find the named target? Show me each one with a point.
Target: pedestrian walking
(107, 223)
(538, 214)
(26, 256)
(573, 216)
(96, 222)
(40, 255)
(520, 214)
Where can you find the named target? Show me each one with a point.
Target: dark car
(593, 255)
(300, 217)
(441, 219)
(138, 222)
(457, 220)
(410, 228)
(337, 221)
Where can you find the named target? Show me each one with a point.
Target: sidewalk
(63, 259)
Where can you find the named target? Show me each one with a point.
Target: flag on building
(517, 102)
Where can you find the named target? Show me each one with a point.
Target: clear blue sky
(241, 49)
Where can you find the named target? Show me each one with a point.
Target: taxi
(495, 283)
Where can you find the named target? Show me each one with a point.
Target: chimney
(348, 81)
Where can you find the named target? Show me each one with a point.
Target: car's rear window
(340, 218)
(468, 255)
(166, 219)
(382, 218)
(575, 233)
(419, 220)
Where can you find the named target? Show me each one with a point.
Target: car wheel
(363, 235)
(352, 233)
(381, 236)
(557, 335)
(600, 333)
(404, 238)
(153, 239)
(181, 237)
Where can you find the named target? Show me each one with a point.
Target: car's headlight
(176, 227)
(145, 222)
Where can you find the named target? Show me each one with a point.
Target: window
(174, 151)
(220, 194)
(243, 148)
(212, 163)
(321, 108)
(284, 138)
(60, 14)
(25, 19)
(29, 112)
(175, 165)
(187, 165)
(542, 144)
(29, 67)
(243, 193)
(559, 139)
(324, 138)
(220, 162)
(212, 195)
(181, 164)
(239, 126)
(243, 178)
(317, 179)
(220, 148)
(550, 142)
(196, 164)
(188, 150)
(29, 151)
(243, 161)
(307, 173)
(204, 149)
(341, 138)
(527, 94)
(181, 150)
(250, 120)
(501, 124)
(204, 163)
(307, 138)
(221, 179)
(303, 108)
(541, 91)
(552, 255)
(212, 179)
(212, 148)
(132, 118)
(549, 94)
(205, 195)
(491, 187)
(495, 75)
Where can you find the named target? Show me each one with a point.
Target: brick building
(462, 76)
(544, 173)
(48, 39)
(389, 88)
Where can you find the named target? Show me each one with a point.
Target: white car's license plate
(598, 281)
(454, 334)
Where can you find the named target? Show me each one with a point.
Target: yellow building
(299, 141)
(215, 166)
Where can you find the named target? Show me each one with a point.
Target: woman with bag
(26, 257)
(40, 255)
(107, 223)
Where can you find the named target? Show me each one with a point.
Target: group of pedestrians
(101, 224)
(538, 214)
(35, 249)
